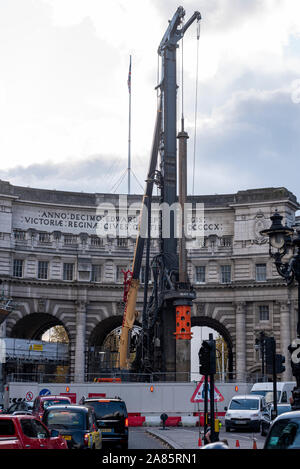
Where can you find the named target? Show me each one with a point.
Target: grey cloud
(255, 141)
(217, 14)
(92, 174)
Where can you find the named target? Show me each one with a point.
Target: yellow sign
(36, 347)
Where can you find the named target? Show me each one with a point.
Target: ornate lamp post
(284, 248)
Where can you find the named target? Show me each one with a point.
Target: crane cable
(196, 102)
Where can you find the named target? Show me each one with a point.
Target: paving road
(140, 439)
(188, 438)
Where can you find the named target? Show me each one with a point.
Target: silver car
(284, 432)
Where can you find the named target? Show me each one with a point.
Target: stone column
(79, 368)
(285, 339)
(240, 341)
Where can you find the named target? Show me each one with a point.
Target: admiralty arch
(58, 271)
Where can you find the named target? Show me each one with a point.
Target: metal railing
(41, 377)
(27, 350)
(37, 378)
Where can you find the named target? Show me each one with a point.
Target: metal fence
(37, 378)
(35, 351)
(132, 377)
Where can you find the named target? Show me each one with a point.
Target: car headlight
(254, 416)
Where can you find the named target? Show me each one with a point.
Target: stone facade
(59, 271)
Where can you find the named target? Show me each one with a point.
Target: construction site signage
(198, 395)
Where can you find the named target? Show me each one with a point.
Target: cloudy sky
(64, 96)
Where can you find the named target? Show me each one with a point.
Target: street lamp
(284, 248)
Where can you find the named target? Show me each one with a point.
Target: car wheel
(227, 429)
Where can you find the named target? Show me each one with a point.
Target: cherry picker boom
(167, 313)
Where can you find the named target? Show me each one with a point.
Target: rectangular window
(119, 273)
(68, 271)
(18, 268)
(20, 235)
(96, 273)
(122, 242)
(225, 242)
(225, 273)
(264, 313)
(96, 241)
(70, 239)
(200, 274)
(261, 272)
(43, 269)
(44, 237)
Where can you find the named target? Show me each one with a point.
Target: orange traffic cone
(237, 444)
(254, 444)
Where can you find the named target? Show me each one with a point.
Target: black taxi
(77, 424)
(112, 420)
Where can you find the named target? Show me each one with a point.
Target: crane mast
(168, 310)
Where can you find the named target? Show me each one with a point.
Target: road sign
(29, 396)
(198, 395)
(45, 392)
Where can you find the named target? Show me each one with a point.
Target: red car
(41, 403)
(27, 432)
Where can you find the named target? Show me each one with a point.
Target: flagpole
(129, 128)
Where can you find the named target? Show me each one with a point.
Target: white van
(284, 391)
(245, 411)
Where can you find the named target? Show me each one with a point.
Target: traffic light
(207, 357)
(279, 360)
(270, 349)
(204, 359)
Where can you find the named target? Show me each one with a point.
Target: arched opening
(201, 328)
(104, 346)
(56, 334)
(33, 326)
(38, 348)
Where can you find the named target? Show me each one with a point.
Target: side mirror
(54, 433)
(226, 408)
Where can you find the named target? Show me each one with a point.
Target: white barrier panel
(145, 398)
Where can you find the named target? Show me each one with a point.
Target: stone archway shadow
(32, 326)
(101, 331)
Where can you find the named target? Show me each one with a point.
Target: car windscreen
(259, 393)
(108, 410)
(244, 404)
(284, 434)
(69, 419)
(267, 394)
(50, 402)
